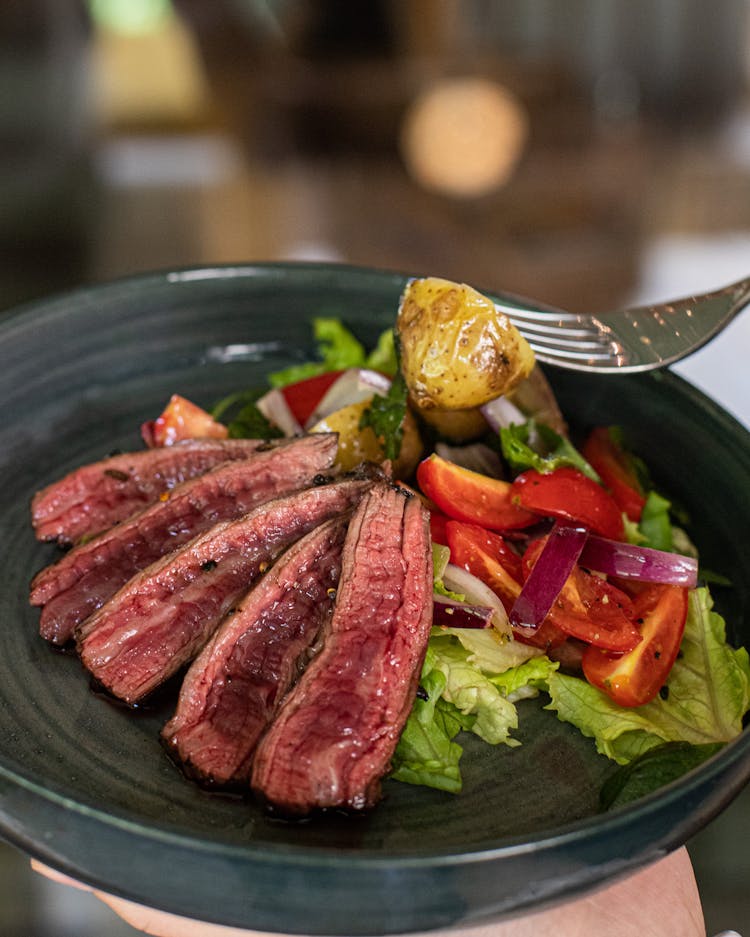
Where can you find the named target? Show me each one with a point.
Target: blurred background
(586, 153)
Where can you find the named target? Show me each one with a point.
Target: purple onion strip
(629, 561)
(447, 613)
(546, 579)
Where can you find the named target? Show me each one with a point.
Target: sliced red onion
(500, 413)
(352, 386)
(275, 409)
(546, 579)
(476, 592)
(629, 561)
(448, 613)
(477, 457)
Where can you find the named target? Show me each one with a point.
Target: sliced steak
(335, 733)
(73, 588)
(96, 496)
(161, 619)
(235, 685)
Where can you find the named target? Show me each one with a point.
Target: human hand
(659, 901)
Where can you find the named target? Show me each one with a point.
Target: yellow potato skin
(457, 350)
(362, 445)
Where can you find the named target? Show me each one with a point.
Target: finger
(661, 900)
(163, 924)
(56, 876)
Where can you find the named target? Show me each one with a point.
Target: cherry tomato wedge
(636, 678)
(607, 457)
(468, 496)
(181, 419)
(304, 396)
(465, 539)
(486, 555)
(569, 495)
(438, 525)
(589, 608)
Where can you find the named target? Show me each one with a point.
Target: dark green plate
(85, 786)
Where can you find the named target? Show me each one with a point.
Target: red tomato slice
(611, 463)
(464, 539)
(569, 495)
(181, 419)
(636, 678)
(468, 496)
(486, 555)
(304, 396)
(438, 531)
(589, 608)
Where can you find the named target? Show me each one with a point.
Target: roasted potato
(457, 350)
(357, 445)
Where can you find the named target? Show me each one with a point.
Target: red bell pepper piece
(304, 396)
(569, 495)
(635, 678)
(610, 461)
(469, 496)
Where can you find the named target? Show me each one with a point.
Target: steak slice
(96, 496)
(79, 583)
(335, 733)
(161, 619)
(234, 687)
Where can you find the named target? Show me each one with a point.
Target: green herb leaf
(533, 445)
(652, 770)
(386, 417)
(243, 418)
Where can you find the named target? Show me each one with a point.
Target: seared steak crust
(335, 733)
(80, 582)
(96, 496)
(161, 619)
(234, 687)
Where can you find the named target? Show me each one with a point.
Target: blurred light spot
(464, 136)
(167, 161)
(130, 16)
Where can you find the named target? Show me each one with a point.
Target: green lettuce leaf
(469, 690)
(461, 697)
(708, 693)
(652, 770)
(655, 525)
(337, 350)
(548, 451)
(426, 753)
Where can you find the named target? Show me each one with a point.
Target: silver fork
(637, 339)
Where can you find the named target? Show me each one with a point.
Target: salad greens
(707, 695)
(243, 418)
(338, 350)
(653, 769)
(550, 450)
